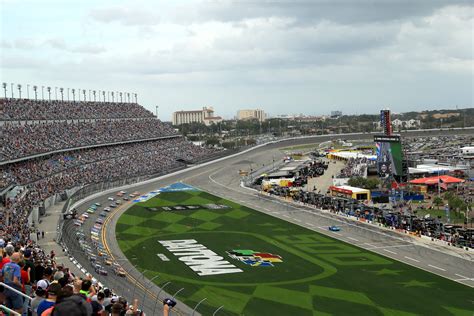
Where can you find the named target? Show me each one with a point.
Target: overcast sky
(284, 56)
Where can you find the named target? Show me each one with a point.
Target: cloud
(27, 44)
(126, 15)
(309, 11)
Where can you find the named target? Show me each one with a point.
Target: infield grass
(318, 275)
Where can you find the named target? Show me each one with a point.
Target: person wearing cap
(97, 304)
(40, 296)
(11, 276)
(53, 291)
(113, 300)
(46, 280)
(31, 266)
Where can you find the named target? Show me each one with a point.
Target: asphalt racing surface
(222, 178)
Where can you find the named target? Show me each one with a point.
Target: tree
(438, 201)
(212, 141)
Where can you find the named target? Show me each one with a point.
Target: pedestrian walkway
(48, 225)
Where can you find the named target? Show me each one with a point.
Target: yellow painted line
(127, 275)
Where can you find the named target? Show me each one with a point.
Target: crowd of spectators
(54, 289)
(25, 266)
(355, 167)
(163, 151)
(26, 109)
(43, 177)
(30, 139)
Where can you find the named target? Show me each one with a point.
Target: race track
(222, 178)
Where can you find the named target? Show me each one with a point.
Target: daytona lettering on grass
(198, 257)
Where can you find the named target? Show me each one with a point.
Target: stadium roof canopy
(436, 180)
(352, 154)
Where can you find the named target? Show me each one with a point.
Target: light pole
(84, 93)
(12, 90)
(90, 95)
(120, 97)
(73, 95)
(128, 96)
(68, 94)
(28, 91)
(156, 110)
(35, 89)
(49, 93)
(55, 93)
(19, 90)
(93, 93)
(42, 92)
(136, 98)
(5, 88)
(62, 94)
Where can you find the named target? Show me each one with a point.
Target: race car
(119, 271)
(334, 228)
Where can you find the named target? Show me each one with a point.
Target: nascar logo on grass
(255, 258)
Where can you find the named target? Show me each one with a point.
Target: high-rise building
(251, 114)
(206, 116)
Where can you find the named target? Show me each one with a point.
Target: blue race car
(334, 228)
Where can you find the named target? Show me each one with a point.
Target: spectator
(97, 304)
(40, 296)
(46, 280)
(11, 276)
(53, 291)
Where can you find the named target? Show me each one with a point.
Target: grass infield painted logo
(255, 258)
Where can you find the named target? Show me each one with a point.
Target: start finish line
(199, 258)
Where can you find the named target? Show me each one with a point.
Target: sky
(283, 56)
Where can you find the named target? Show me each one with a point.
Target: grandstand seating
(25, 109)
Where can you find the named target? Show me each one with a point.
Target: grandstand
(52, 148)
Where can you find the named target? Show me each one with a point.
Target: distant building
(251, 114)
(206, 116)
(335, 114)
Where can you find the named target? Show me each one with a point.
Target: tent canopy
(436, 180)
